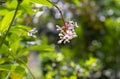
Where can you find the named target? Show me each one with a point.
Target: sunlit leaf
(91, 61)
(7, 20)
(3, 12)
(11, 4)
(27, 7)
(73, 77)
(16, 76)
(42, 48)
(76, 1)
(4, 49)
(43, 2)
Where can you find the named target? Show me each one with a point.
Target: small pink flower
(67, 32)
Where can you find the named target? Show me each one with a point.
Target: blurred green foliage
(94, 54)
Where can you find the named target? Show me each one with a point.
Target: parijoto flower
(67, 32)
(32, 32)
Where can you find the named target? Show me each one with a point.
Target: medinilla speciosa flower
(67, 32)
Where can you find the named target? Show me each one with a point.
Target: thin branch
(59, 12)
(27, 68)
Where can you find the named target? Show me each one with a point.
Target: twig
(59, 12)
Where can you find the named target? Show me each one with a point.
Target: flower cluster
(32, 32)
(67, 32)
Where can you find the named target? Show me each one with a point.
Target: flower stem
(4, 37)
(59, 12)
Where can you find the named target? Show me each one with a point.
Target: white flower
(32, 32)
(67, 32)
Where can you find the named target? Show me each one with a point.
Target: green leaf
(2, 60)
(26, 6)
(42, 48)
(20, 30)
(16, 76)
(76, 1)
(12, 68)
(19, 69)
(4, 49)
(21, 59)
(22, 51)
(7, 67)
(14, 43)
(43, 2)
(91, 61)
(7, 20)
(3, 12)
(11, 4)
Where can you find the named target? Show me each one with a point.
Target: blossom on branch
(67, 32)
